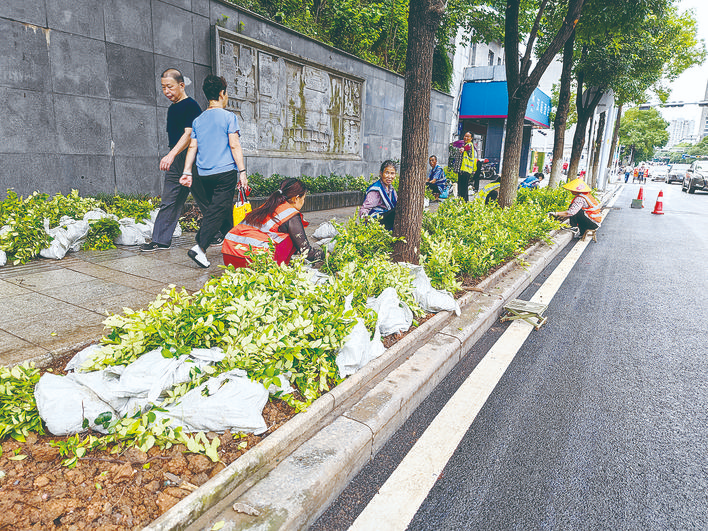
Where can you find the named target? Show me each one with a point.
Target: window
(473, 54)
(498, 60)
(491, 58)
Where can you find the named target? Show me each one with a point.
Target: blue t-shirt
(529, 182)
(212, 129)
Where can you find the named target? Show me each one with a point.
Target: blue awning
(491, 100)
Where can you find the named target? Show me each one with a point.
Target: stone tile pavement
(49, 308)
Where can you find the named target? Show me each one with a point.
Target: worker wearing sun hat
(584, 210)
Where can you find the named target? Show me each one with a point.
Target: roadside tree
(642, 131)
(522, 79)
(423, 22)
(627, 51)
(700, 149)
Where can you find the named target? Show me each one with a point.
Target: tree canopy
(642, 131)
(699, 149)
(377, 30)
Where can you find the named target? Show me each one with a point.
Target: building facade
(680, 130)
(83, 109)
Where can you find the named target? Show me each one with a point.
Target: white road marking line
(401, 495)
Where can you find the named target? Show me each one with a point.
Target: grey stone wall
(82, 108)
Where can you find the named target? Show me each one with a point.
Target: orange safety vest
(593, 210)
(243, 237)
(636, 172)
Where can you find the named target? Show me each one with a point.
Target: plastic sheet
(429, 299)
(325, 230)
(394, 316)
(232, 401)
(69, 235)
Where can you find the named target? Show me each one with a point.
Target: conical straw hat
(577, 185)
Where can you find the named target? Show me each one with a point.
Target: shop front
(483, 111)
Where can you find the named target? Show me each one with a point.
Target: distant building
(481, 101)
(470, 54)
(680, 130)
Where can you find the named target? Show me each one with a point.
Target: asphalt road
(601, 420)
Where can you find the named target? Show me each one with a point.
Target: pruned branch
(526, 60)
(571, 20)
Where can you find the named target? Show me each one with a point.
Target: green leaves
(18, 409)
(25, 236)
(643, 131)
(469, 239)
(264, 186)
(101, 234)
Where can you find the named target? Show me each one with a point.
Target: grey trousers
(173, 197)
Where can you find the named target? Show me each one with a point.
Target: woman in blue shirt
(215, 145)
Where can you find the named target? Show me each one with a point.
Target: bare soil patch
(111, 492)
(114, 492)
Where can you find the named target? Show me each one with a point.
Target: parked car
(696, 177)
(677, 172)
(659, 172)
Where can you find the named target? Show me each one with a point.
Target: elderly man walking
(180, 116)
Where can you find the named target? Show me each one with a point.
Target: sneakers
(196, 254)
(153, 246)
(218, 239)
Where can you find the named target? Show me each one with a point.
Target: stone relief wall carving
(288, 105)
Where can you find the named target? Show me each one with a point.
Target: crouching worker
(437, 182)
(380, 200)
(532, 181)
(279, 222)
(584, 211)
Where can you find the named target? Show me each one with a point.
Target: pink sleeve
(576, 205)
(370, 201)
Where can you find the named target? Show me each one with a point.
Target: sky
(691, 85)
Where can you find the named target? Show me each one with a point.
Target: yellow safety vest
(469, 159)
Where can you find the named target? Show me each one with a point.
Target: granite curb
(393, 385)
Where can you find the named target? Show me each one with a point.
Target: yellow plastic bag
(241, 208)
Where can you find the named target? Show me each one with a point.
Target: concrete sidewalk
(49, 308)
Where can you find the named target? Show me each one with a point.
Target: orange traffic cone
(659, 207)
(640, 197)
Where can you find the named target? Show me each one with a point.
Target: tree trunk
(423, 20)
(615, 136)
(578, 144)
(521, 82)
(512, 152)
(559, 124)
(585, 112)
(599, 136)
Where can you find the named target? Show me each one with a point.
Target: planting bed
(108, 491)
(272, 321)
(113, 491)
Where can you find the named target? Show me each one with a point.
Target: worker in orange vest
(276, 224)
(583, 213)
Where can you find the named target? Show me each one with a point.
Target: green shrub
(470, 239)
(24, 236)
(101, 234)
(265, 186)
